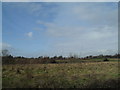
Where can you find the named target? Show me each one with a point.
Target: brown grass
(74, 75)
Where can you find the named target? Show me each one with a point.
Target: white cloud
(84, 28)
(29, 34)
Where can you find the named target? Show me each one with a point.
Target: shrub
(105, 59)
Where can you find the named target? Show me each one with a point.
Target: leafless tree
(5, 52)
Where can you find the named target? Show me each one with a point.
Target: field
(64, 75)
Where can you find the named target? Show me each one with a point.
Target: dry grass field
(65, 75)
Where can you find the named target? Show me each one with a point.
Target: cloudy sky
(48, 29)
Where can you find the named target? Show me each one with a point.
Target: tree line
(7, 58)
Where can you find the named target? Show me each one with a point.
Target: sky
(59, 0)
(57, 28)
(0, 27)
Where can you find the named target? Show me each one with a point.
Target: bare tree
(5, 52)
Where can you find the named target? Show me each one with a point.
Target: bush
(53, 61)
(105, 59)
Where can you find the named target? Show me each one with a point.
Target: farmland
(92, 74)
